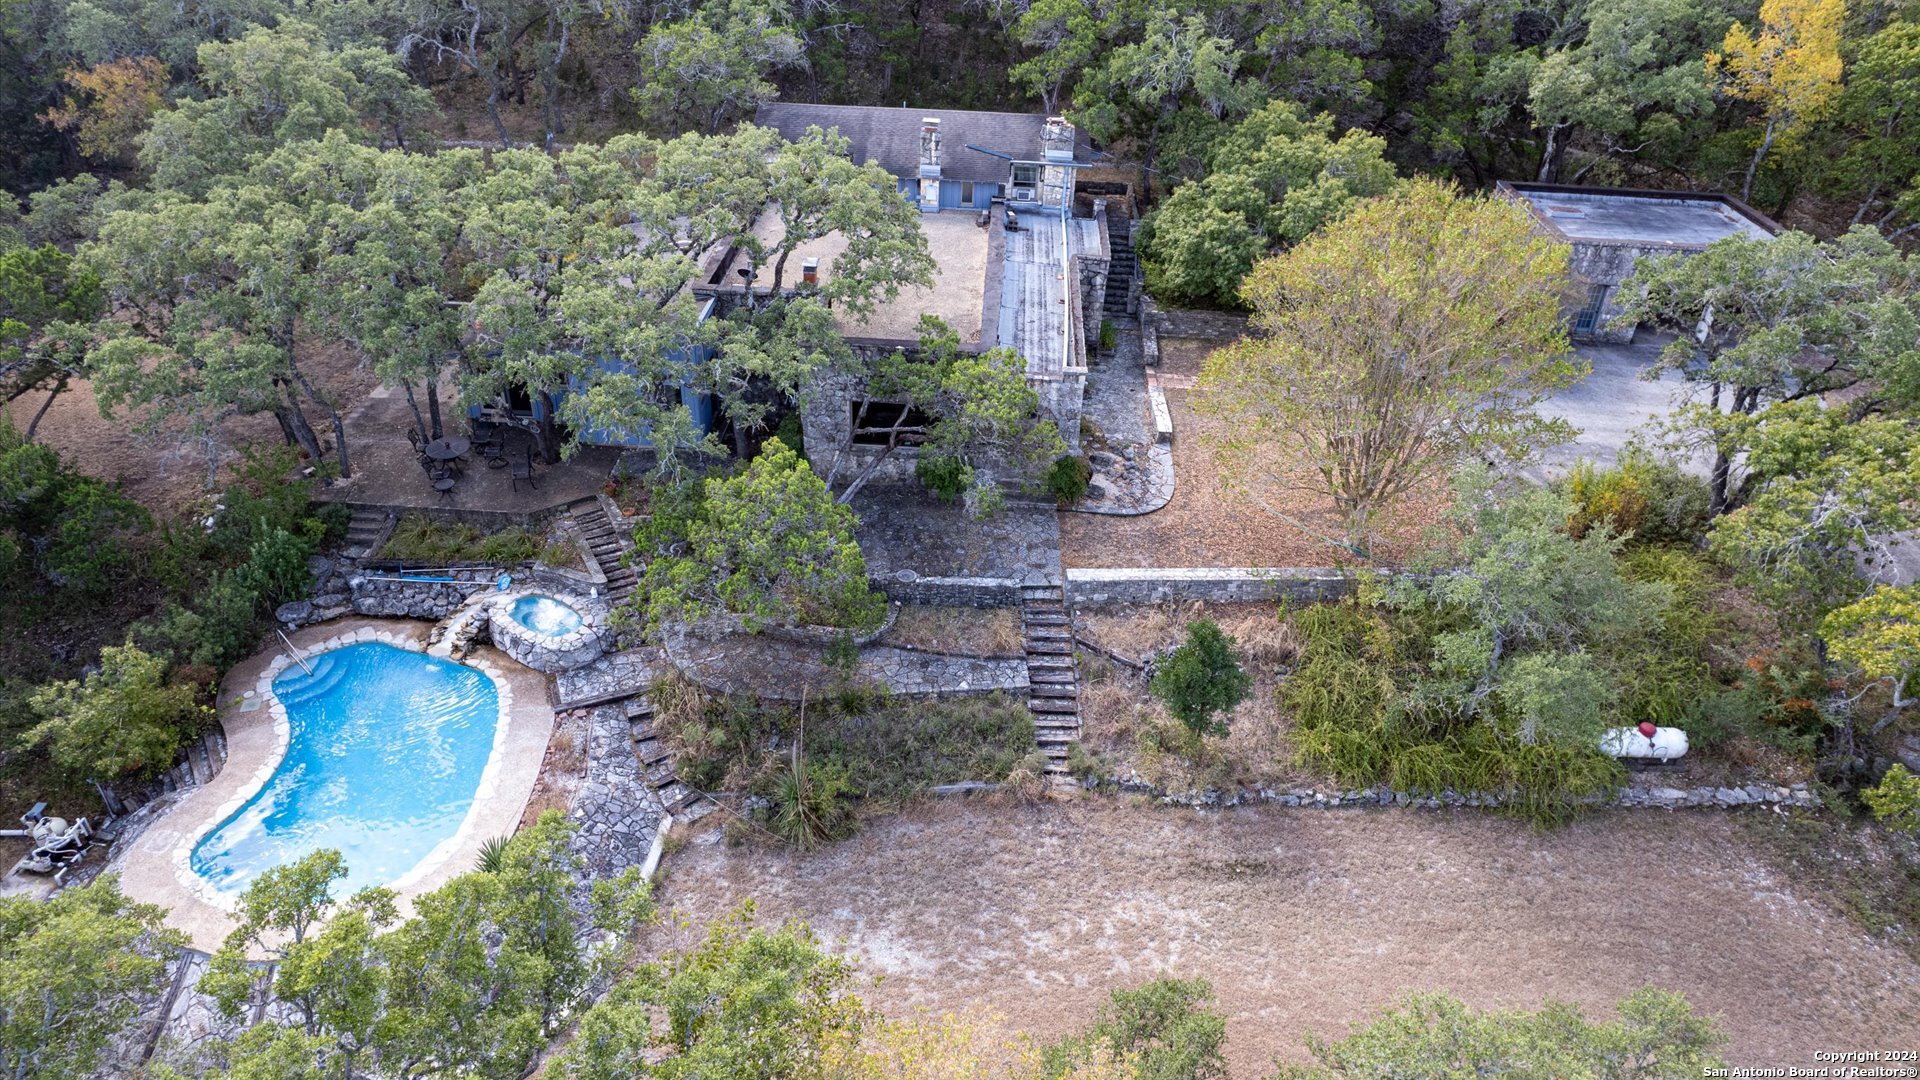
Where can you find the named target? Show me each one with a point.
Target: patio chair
(523, 470)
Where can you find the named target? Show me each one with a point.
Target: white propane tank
(1666, 743)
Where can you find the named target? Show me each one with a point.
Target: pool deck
(153, 868)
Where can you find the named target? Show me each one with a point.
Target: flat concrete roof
(959, 249)
(1630, 216)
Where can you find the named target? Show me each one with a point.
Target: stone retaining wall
(392, 597)
(906, 587)
(1659, 798)
(1225, 585)
(1207, 325)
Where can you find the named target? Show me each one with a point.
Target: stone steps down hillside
(365, 530)
(610, 540)
(656, 761)
(198, 763)
(1121, 268)
(1053, 685)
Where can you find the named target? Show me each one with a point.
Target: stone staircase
(1121, 270)
(609, 541)
(1053, 693)
(620, 680)
(199, 762)
(656, 761)
(366, 529)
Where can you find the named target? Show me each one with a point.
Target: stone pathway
(1137, 480)
(782, 670)
(613, 676)
(617, 812)
(1133, 469)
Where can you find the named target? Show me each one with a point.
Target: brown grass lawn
(1311, 920)
(166, 471)
(962, 631)
(1211, 523)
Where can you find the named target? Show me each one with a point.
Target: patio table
(447, 449)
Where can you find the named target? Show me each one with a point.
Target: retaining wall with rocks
(906, 587)
(1633, 795)
(415, 598)
(1225, 585)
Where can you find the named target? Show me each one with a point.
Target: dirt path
(1308, 921)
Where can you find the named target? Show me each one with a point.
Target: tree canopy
(1413, 334)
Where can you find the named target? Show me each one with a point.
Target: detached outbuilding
(1612, 228)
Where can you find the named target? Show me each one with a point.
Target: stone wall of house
(906, 587)
(826, 426)
(1609, 265)
(1095, 587)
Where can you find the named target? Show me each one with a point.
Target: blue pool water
(385, 754)
(545, 615)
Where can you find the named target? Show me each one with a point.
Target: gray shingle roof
(891, 137)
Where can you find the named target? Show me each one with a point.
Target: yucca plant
(493, 855)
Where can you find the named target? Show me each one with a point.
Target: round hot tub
(546, 615)
(548, 632)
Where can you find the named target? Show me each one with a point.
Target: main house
(1610, 229)
(1021, 258)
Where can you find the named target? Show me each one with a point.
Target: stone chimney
(1056, 142)
(930, 146)
(810, 270)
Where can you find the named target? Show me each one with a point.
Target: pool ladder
(294, 653)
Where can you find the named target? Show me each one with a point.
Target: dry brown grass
(165, 471)
(1265, 640)
(1212, 523)
(1122, 721)
(1310, 921)
(963, 631)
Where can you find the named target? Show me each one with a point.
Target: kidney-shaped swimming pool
(385, 752)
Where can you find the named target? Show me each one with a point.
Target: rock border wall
(1094, 587)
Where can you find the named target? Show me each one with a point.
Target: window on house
(1588, 320)
(1026, 176)
(873, 422)
(966, 193)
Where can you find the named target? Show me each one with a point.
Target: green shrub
(812, 804)
(1167, 1028)
(791, 431)
(217, 630)
(1351, 721)
(1202, 679)
(1647, 497)
(947, 478)
(124, 718)
(1109, 335)
(1895, 801)
(276, 568)
(1067, 481)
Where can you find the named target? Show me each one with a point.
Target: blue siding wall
(953, 192)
